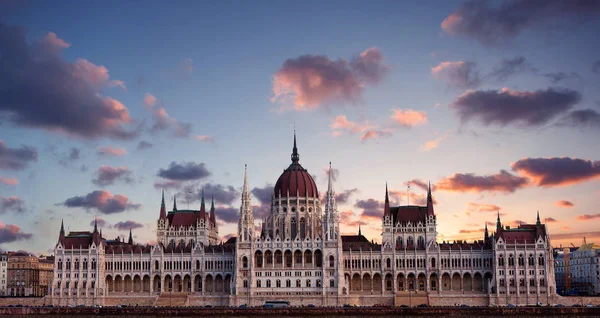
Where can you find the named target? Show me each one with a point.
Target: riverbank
(300, 312)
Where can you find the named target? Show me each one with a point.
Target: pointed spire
(130, 241)
(498, 224)
(386, 209)
(202, 214)
(429, 201)
(213, 217)
(245, 189)
(95, 225)
(174, 203)
(62, 230)
(359, 233)
(330, 185)
(486, 235)
(537, 222)
(163, 209)
(295, 155)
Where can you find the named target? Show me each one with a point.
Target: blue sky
(213, 65)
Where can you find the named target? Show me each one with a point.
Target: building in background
(299, 255)
(28, 275)
(3, 273)
(577, 270)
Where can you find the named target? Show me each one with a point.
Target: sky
(103, 104)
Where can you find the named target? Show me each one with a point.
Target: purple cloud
(11, 204)
(127, 225)
(549, 172)
(12, 233)
(109, 175)
(16, 158)
(184, 171)
(102, 200)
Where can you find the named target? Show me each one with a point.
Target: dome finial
(295, 155)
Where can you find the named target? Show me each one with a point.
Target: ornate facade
(298, 254)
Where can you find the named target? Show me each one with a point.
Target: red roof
(409, 213)
(183, 217)
(296, 180)
(358, 242)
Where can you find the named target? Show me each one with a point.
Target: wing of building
(299, 255)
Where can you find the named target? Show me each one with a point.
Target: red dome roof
(295, 179)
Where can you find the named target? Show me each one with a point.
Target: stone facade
(3, 274)
(299, 255)
(583, 269)
(28, 275)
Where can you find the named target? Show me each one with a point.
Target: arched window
(388, 263)
(541, 260)
(521, 260)
(288, 283)
(308, 283)
(409, 241)
(331, 261)
(298, 283)
(511, 260)
(399, 242)
(432, 262)
(278, 283)
(501, 260)
(294, 228)
(331, 283)
(258, 284)
(244, 262)
(68, 264)
(245, 283)
(197, 264)
(421, 242)
(93, 263)
(302, 228)
(60, 264)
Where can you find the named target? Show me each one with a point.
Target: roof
(409, 213)
(589, 247)
(295, 179)
(463, 245)
(358, 242)
(183, 217)
(523, 234)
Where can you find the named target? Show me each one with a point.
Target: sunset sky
(105, 103)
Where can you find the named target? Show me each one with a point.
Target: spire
(537, 222)
(130, 241)
(295, 155)
(213, 217)
(386, 209)
(62, 230)
(95, 225)
(359, 234)
(245, 190)
(330, 185)
(486, 235)
(163, 209)
(202, 214)
(498, 224)
(429, 201)
(174, 203)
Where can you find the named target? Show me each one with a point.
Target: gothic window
(331, 283)
(298, 283)
(521, 260)
(541, 260)
(542, 282)
(85, 264)
(388, 263)
(399, 242)
(421, 242)
(511, 260)
(244, 262)
(433, 262)
(294, 228)
(68, 264)
(501, 260)
(302, 228)
(93, 263)
(531, 260)
(60, 264)
(501, 282)
(409, 241)
(258, 284)
(197, 264)
(308, 283)
(532, 282)
(76, 264)
(288, 283)
(268, 283)
(245, 283)
(331, 261)
(278, 283)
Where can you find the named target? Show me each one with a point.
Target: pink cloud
(205, 138)
(432, 144)
(341, 125)
(9, 181)
(408, 118)
(149, 100)
(162, 120)
(312, 80)
(457, 74)
(470, 182)
(564, 204)
(111, 151)
(51, 43)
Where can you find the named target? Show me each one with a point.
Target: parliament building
(299, 255)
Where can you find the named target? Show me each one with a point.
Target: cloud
(184, 171)
(421, 184)
(227, 214)
(313, 80)
(41, 90)
(342, 124)
(586, 217)
(579, 235)
(432, 144)
(11, 204)
(557, 77)
(564, 204)
(16, 158)
(9, 181)
(168, 184)
(12, 233)
(109, 175)
(111, 151)
(459, 74)
(371, 208)
(408, 118)
(549, 172)
(583, 118)
(143, 145)
(100, 222)
(510, 67)
(335, 173)
(127, 225)
(162, 121)
(471, 231)
(102, 200)
(205, 138)
(596, 67)
(222, 193)
(550, 220)
(476, 207)
(511, 107)
(66, 159)
(493, 25)
(344, 196)
(263, 194)
(469, 182)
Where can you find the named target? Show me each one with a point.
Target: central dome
(295, 180)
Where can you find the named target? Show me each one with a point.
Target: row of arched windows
(521, 260)
(76, 264)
